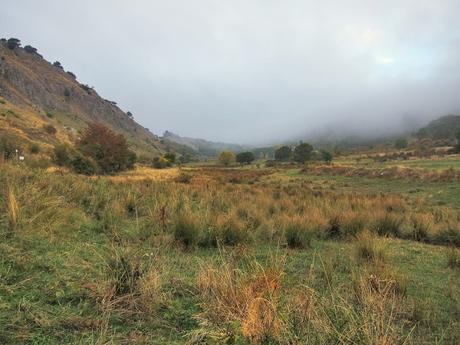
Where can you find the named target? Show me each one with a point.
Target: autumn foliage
(108, 149)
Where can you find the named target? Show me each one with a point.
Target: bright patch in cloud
(385, 60)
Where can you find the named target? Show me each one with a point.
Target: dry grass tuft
(369, 248)
(249, 297)
(12, 209)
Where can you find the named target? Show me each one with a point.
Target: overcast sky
(254, 70)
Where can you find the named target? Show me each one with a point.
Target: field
(245, 255)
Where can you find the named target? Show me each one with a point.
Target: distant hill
(202, 147)
(36, 95)
(443, 128)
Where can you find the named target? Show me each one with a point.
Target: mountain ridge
(202, 147)
(44, 94)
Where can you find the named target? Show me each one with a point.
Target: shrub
(171, 157)
(160, 163)
(29, 49)
(72, 75)
(34, 149)
(66, 92)
(83, 165)
(185, 158)
(57, 64)
(13, 43)
(50, 129)
(227, 158)
(401, 143)
(326, 156)
(8, 145)
(298, 236)
(108, 149)
(86, 87)
(184, 178)
(62, 154)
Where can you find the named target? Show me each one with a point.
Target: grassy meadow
(209, 255)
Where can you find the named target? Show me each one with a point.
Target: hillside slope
(35, 93)
(202, 147)
(445, 127)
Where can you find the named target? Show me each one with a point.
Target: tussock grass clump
(352, 224)
(369, 248)
(449, 235)
(130, 204)
(125, 274)
(334, 230)
(186, 231)
(248, 297)
(388, 225)
(184, 177)
(422, 225)
(453, 258)
(151, 290)
(298, 235)
(379, 279)
(232, 231)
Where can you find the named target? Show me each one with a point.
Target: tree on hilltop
(13, 43)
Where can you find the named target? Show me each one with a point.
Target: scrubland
(206, 255)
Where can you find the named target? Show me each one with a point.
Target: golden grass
(238, 296)
(249, 297)
(12, 209)
(144, 173)
(394, 172)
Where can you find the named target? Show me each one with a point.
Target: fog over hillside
(256, 71)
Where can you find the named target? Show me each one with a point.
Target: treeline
(301, 153)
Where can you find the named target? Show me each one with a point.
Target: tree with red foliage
(108, 149)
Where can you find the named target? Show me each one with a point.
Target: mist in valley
(256, 72)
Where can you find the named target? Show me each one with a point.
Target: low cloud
(255, 71)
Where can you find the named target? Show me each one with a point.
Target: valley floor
(206, 255)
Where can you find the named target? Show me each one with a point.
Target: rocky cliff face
(46, 91)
